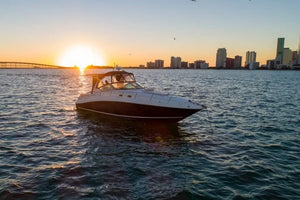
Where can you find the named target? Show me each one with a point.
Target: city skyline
(129, 33)
(285, 58)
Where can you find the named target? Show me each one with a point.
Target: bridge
(24, 65)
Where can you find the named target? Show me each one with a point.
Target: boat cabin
(120, 80)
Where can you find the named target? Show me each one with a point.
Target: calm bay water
(246, 146)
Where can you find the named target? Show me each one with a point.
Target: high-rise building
(184, 65)
(178, 63)
(299, 51)
(294, 57)
(175, 62)
(271, 64)
(287, 57)
(172, 63)
(237, 62)
(253, 65)
(159, 64)
(221, 58)
(201, 64)
(229, 63)
(150, 64)
(250, 57)
(280, 48)
(191, 65)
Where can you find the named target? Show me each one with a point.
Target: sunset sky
(132, 32)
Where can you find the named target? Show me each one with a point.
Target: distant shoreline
(24, 65)
(165, 68)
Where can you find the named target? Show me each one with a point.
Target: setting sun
(81, 56)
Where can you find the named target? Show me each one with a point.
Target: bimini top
(115, 80)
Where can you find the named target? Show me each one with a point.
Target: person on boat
(104, 85)
(120, 81)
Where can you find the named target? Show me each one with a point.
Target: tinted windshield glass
(129, 78)
(122, 78)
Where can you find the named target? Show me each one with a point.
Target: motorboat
(116, 93)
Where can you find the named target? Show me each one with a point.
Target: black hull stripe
(130, 110)
(128, 116)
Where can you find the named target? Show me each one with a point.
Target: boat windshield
(122, 78)
(118, 81)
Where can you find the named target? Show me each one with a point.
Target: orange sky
(130, 33)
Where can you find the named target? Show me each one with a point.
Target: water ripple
(245, 146)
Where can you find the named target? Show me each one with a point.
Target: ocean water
(246, 145)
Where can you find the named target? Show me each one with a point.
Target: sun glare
(81, 56)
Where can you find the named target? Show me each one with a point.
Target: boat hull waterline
(137, 111)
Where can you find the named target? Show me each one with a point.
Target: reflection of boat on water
(147, 131)
(116, 93)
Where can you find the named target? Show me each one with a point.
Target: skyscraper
(221, 58)
(159, 64)
(184, 65)
(287, 57)
(229, 63)
(150, 65)
(175, 62)
(201, 64)
(237, 62)
(280, 48)
(299, 51)
(250, 57)
(294, 57)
